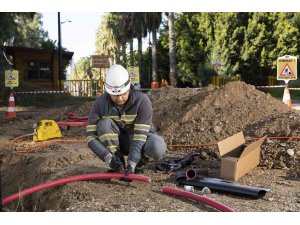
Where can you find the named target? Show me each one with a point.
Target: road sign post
(100, 61)
(134, 74)
(11, 78)
(287, 68)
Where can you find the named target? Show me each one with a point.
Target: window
(38, 70)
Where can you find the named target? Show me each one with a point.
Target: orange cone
(11, 109)
(287, 97)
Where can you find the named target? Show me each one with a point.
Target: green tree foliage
(83, 70)
(25, 29)
(247, 44)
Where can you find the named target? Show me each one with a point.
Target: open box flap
(231, 143)
(253, 146)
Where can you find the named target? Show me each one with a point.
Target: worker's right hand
(114, 162)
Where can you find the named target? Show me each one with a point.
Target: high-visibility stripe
(141, 135)
(112, 148)
(142, 125)
(110, 117)
(11, 109)
(137, 139)
(90, 138)
(108, 138)
(142, 129)
(110, 134)
(128, 117)
(91, 128)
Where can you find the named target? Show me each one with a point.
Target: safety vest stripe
(137, 139)
(128, 117)
(142, 129)
(90, 138)
(142, 125)
(111, 146)
(108, 139)
(140, 136)
(110, 134)
(91, 128)
(110, 117)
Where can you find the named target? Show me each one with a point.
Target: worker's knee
(106, 125)
(155, 147)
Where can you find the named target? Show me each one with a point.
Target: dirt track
(181, 116)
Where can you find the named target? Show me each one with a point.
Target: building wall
(21, 57)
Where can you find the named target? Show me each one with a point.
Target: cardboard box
(238, 158)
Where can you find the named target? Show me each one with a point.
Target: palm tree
(172, 50)
(153, 23)
(140, 31)
(105, 41)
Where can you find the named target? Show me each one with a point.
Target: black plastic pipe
(222, 185)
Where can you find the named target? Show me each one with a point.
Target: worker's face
(120, 100)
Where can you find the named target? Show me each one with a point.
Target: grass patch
(41, 99)
(278, 92)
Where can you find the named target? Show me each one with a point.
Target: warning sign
(287, 68)
(134, 75)
(11, 78)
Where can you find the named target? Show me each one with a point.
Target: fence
(84, 88)
(221, 80)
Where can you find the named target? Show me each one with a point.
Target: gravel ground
(181, 116)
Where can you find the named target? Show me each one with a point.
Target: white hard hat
(117, 80)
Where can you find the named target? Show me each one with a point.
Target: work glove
(114, 162)
(130, 169)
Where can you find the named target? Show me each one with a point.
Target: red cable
(207, 201)
(84, 177)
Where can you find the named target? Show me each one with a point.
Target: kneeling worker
(120, 123)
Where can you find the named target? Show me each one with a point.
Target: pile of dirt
(211, 114)
(182, 116)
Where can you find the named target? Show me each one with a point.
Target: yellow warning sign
(11, 78)
(287, 68)
(134, 75)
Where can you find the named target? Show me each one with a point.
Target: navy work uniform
(127, 130)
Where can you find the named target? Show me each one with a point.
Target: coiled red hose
(84, 177)
(207, 201)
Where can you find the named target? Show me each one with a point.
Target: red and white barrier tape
(40, 92)
(278, 86)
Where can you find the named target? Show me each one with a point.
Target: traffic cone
(11, 109)
(287, 97)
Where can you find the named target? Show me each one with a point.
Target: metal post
(149, 56)
(59, 53)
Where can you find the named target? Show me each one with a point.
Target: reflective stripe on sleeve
(142, 127)
(91, 128)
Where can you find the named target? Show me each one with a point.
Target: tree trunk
(140, 57)
(131, 52)
(154, 56)
(124, 58)
(172, 51)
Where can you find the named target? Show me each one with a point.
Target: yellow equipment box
(45, 130)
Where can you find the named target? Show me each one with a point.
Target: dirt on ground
(182, 116)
